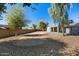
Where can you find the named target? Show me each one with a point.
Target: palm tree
(59, 12)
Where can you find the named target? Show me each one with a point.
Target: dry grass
(72, 48)
(69, 51)
(7, 40)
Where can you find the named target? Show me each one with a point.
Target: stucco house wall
(73, 29)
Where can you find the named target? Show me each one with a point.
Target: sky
(41, 13)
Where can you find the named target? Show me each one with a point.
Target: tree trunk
(58, 29)
(63, 31)
(16, 33)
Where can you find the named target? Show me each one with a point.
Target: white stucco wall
(67, 30)
(48, 29)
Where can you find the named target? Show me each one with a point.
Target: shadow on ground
(41, 47)
(35, 34)
(72, 34)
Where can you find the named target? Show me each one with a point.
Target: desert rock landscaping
(40, 44)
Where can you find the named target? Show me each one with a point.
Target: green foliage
(16, 18)
(33, 26)
(59, 11)
(27, 4)
(42, 25)
(47, 24)
(2, 8)
(71, 21)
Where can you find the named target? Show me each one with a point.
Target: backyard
(39, 29)
(40, 43)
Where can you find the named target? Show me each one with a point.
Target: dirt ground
(41, 44)
(70, 40)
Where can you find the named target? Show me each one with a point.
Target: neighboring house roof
(3, 26)
(26, 27)
(74, 24)
(53, 26)
(70, 25)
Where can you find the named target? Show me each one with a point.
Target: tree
(59, 12)
(71, 21)
(42, 25)
(16, 18)
(3, 7)
(46, 25)
(33, 26)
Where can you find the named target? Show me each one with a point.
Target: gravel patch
(48, 48)
(40, 44)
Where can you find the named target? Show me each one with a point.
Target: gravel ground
(41, 44)
(48, 48)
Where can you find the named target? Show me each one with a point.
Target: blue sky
(42, 13)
